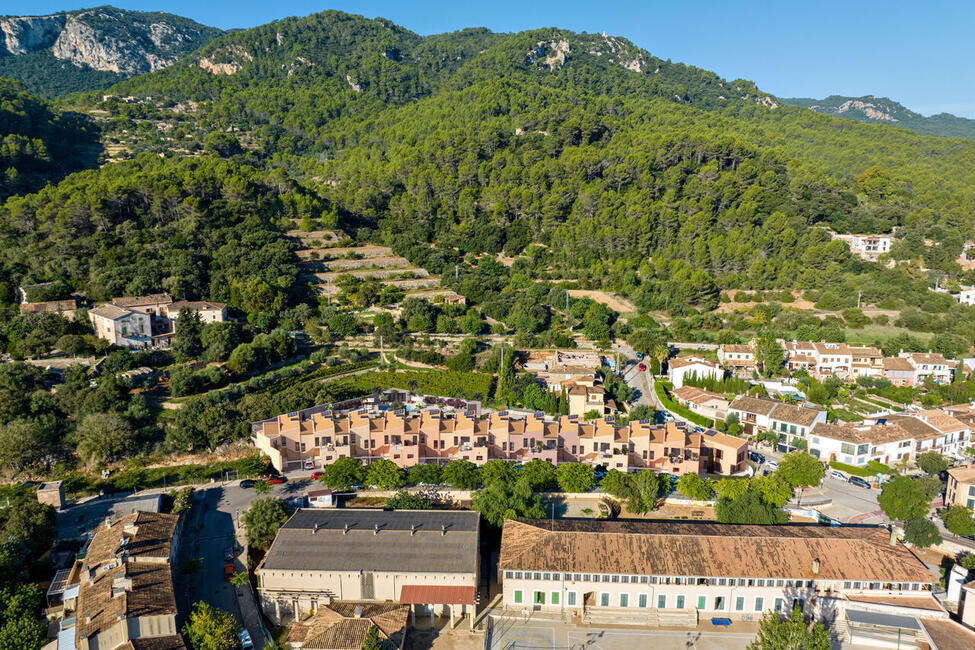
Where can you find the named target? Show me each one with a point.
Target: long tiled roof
(753, 405)
(918, 429)
(875, 434)
(138, 301)
(794, 414)
(708, 550)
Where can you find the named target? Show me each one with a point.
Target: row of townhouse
(888, 439)
(140, 322)
(757, 414)
(822, 360)
(859, 580)
(317, 437)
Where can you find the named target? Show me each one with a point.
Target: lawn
(872, 468)
(662, 389)
(871, 333)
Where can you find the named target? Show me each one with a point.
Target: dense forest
(38, 143)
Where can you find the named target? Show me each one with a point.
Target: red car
(317, 475)
(274, 480)
(228, 571)
(642, 367)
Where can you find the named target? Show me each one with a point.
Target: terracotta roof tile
(437, 595)
(708, 549)
(947, 634)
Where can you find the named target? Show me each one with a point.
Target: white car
(771, 464)
(245, 640)
(838, 475)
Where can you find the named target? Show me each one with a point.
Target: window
(680, 602)
(517, 575)
(719, 603)
(641, 600)
(701, 602)
(662, 601)
(546, 576)
(570, 598)
(604, 599)
(740, 604)
(509, 574)
(624, 600)
(519, 597)
(778, 604)
(616, 578)
(554, 598)
(539, 598)
(538, 576)
(847, 448)
(759, 604)
(606, 578)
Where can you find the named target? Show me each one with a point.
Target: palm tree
(412, 385)
(661, 353)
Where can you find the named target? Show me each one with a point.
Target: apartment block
(319, 437)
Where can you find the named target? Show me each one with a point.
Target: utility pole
(455, 273)
(859, 295)
(566, 301)
(382, 356)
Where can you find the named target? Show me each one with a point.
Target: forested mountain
(38, 143)
(86, 49)
(581, 156)
(881, 110)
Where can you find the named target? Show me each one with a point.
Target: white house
(209, 312)
(966, 296)
(120, 326)
(681, 367)
(858, 444)
(753, 413)
(927, 364)
(870, 246)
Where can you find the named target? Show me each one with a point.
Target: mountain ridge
(87, 49)
(883, 110)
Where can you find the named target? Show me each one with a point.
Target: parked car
(698, 429)
(309, 464)
(756, 457)
(247, 483)
(228, 553)
(772, 464)
(317, 475)
(228, 571)
(838, 475)
(642, 367)
(639, 356)
(859, 482)
(274, 480)
(245, 641)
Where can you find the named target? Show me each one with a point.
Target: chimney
(893, 536)
(815, 567)
(87, 618)
(443, 529)
(412, 530)
(345, 531)
(376, 530)
(314, 528)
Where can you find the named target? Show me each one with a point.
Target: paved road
(209, 530)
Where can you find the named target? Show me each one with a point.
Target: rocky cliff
(104, 39)
(882, 110)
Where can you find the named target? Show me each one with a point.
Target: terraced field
(323, 260)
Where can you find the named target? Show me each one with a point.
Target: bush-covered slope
(37, 143)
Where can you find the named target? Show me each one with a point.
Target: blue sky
(917, 53)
